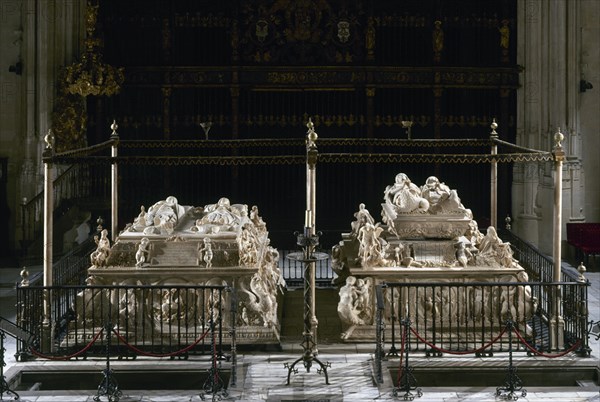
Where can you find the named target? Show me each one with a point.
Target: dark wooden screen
(259, 69)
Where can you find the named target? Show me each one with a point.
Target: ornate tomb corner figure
(99, 257)
(141, 255)
(363, 216)
(355, 307)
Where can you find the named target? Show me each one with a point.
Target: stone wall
(557, 48)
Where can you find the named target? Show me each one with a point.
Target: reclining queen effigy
(427, 236)
(170, 245)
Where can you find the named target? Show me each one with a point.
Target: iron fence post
(512, 382)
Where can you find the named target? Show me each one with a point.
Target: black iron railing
(292, 271)
(78, 181)
(462, 317)
(167, 320)
(71, 268)
(540, 268)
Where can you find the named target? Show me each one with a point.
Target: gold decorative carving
(235, 41)
(166, 39)
(504, 34)
(69, 119)
(91, 76)
(505, 40)
(437, 41)
(198, 19)
(370, 38)
(301, 77)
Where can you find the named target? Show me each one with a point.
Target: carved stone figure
(474, 236)
(407, 256)
(256, 219)
(348, 310)
(259, 301)
(442, 200)
(139, 223)
(248, 246)
(405, 195)
(163, 215)
(338, 264)
(526, 303)
(372, 247)
(222, 213)
(141, 254)
(100, 255)
(494, 252)
(206, 253)
(362, 218)
(463, 254)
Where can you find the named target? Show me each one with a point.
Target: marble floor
(262, 376)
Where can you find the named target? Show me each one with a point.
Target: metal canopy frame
(100, 154)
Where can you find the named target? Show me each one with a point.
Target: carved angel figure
(371, 249)
(363, 216)
(206, 253)
(142, 252)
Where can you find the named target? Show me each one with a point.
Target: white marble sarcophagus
(427, 236)
(169, 244)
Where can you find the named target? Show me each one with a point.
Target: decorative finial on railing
(311, 134)
(494, 126)
(507, 220)
(49, 139)
(99, 221)
(558, 138)
(114, 126)
(581, 269)
(24, 277)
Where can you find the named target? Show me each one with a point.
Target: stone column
(549, 98)
(52, 32)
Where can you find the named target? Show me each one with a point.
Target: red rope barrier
(400, 368)
(467, 352)
(540, 353)
(178, 352)
(89, 345)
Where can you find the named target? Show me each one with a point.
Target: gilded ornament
(91, 76)
(504, 34)
(343, 31)
(437, 40)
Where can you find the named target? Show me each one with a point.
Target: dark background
(259, 69)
